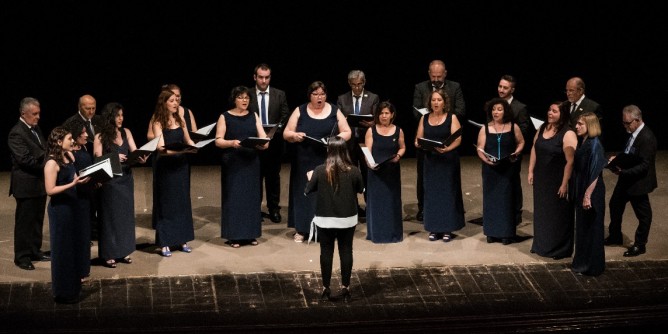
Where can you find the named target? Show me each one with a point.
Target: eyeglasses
(243, 97)
(629, 123)
(361, 84)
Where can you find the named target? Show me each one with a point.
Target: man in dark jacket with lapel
(437, 74)
(578, 103)
(86, 112)
(27, 146)
(361, 102)
(272, 107)
(635, 182)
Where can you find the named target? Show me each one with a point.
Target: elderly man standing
(27, 147)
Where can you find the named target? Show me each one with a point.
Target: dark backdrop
(124, 51)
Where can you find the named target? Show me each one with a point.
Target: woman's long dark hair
(338, 160)
(108, 131)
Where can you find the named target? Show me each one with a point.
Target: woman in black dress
(550, 169)
(308, 125)
(173, 220)
(117, 202)
(385, 141)
(241, 193)
(502, 139)
(65, 220)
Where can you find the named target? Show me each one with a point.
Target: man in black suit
(27, 146)
(272, 107)
(437, 74)
(634, 183)
(506, 89)
(361, 102)
(578, 103)
(86, 112)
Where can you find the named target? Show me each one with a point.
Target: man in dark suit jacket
(86, 112)
(368, 103)
(578, 103)
(27, 146)
(634, 183)
(277, 112)
(506, 88)
(437, 73)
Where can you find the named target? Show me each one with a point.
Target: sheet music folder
(624, 161)
(369, 157)
(354, 120)
(98, 172)
(202, 133)
(254, 141)
(114, 161)
(181, 147)
(146, 149)
(429, 144)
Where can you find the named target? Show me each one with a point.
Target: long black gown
(65, 222)
(552, 216)
(85, 194)
(498, 200)
(174, 221)
(309, 154)
(241, 217)
(589, 258)
(443, 202)
(383, 206)
(117, 224)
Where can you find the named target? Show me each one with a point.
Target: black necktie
(357, 104)
(89, 127)
(32, 129)
(573, 106)
(263, 109)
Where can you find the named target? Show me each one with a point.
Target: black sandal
(126, 259)
(109, 263)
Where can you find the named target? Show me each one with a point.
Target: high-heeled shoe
(185, 248)
(326, 294)
(109, 263)
(344, 294)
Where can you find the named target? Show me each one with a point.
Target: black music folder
(185, 148)
(624, 161)
(429, 144)
(98, 172)
(354, 120)
(146, 149)
(251, 142)
(202, 133)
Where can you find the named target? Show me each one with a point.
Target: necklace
(498, 139)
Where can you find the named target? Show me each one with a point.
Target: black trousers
(344, 239)
(642, 209)
(28, 225)
(270, 174)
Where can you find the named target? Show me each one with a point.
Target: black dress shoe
(635, 251)
(492, 240)
(610, 241)
(275, 217)
(41, 257)
(26, 266)
(419, 216)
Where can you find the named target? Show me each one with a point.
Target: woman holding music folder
(308, 128)
(443, 204)
(65, 219)
(172, 211)
(117, 202)
(240, 134)
(385, 142)
(500, 141)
